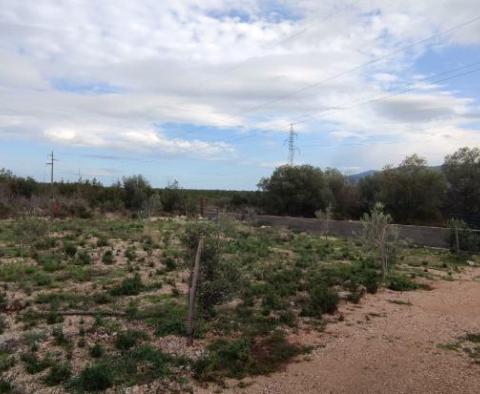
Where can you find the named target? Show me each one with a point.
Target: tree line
(411, 193)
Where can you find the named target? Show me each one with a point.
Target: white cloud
(216, 63)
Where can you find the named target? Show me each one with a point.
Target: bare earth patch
(388, 347)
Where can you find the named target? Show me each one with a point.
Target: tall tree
(462, 170)
(295, 190)
(411, 192)
(137, 190)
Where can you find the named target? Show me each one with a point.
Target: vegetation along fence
(439, 237)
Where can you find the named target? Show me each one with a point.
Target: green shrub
(45, 243)
(58, 374)
(155, 364)
(50, 263)
(102, 298)
(370, 281)
(34, 364)
(355, 297)
(244, 356)
(33, 338)
(167, 319)
(129, 339)
(129, 286)
(42, 279)
(138, 365)
(70, 249)
(96, 351)
(321, 299)
(170, 263)
(220, 279)
(473, 337)
(287, 317)
(83, 258)
(107, 257)
(130, 253)
(7, 361)
(59, 336)
(5, 386)
(54, 318)
(96, 378)
(3, 324)
(3, 302)
(401, 283)
(225, 358)
(101, 242)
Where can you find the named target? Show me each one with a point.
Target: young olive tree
(325, 216)
(213, 280)
(380, 237)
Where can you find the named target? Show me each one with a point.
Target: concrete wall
(418, 235)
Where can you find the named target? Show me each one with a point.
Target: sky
(206, 91)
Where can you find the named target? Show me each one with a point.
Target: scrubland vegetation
(88, 305)
(412, 193)
(96, 297)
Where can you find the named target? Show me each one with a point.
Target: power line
(363, 65)
(383, 97)
(431, 79)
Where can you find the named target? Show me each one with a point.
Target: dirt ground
(386, 347)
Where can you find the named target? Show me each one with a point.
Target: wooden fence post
(192, 292)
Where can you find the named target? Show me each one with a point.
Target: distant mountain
(356, 177)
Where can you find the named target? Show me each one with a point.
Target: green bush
(96, 378)
(130, 254)
(167, 319)
(170, 263)
(101, 242)
(5, 386)
(129, 286)
(220, 279)
(129, 339)
(42, 279)
(370, 281)
(83, 258)
(321, 299)
(96, 351)
(3, 324)
(59, 336)
(7, 361)
(54, 318)
(70, 249)
(50, 263)
(58, 374)
(102, 298)
(34, 364)
(107, 257)
(400, 283)
(244, 356)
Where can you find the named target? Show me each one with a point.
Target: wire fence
(465, 239)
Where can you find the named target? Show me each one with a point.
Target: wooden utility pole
(52, 190)
(192, 292)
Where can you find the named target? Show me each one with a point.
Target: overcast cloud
(116, 75)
